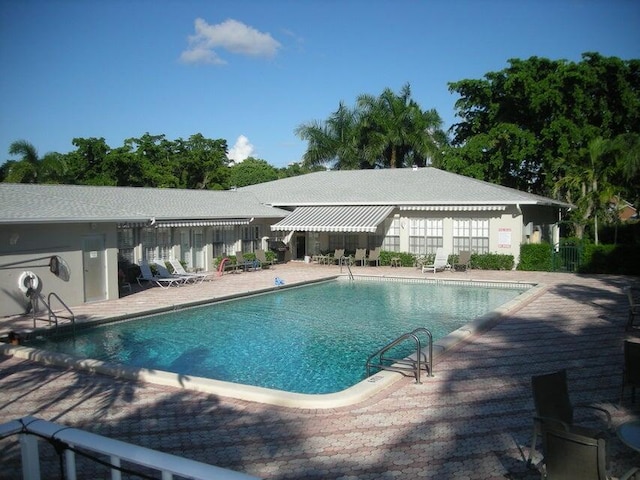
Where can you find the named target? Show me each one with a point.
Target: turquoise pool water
(313, 339)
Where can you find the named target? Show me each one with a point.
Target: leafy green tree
(251, 171)
(201, 162)
(552, 127)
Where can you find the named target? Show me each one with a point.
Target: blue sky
(250, 72)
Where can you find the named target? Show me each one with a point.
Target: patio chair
(551, 401)
(570, 455)
(245, 264)
(441, 262)
(147, 276)
(178, 269)
(464, 259)
(338, 255)
(374, 257)
(631, 371)
(261, 256)
(633, 294)
(360, 256)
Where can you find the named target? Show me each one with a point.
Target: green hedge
(616, 259)
(536, 257)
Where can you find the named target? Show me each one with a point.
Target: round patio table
(629, 434)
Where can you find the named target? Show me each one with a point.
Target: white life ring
(28, 280)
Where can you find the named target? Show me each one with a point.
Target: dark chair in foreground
(551, 401)
(633, 294)
(569, 455)
(631, 371)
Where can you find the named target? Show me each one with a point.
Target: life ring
(28, 280)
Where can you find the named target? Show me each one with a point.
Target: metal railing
(72, 441)
(408, 364)
(53, 317)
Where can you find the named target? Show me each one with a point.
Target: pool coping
(357, 393)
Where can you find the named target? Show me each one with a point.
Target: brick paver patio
(471, 420)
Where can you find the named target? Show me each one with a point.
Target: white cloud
(241, 150)
(230, 35)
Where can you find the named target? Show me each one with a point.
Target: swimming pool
(313, 339)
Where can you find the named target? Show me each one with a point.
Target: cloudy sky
(250, 72)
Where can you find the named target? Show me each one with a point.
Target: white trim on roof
(456, 208)
(361, 218)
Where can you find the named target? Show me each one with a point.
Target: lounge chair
(374, 257)
(261, 256)
(179, 270)
(633, 294)
(551, 401)
(147, 276)
(571, 455)
(464, 259)
(163, 272)
(244, 264)
(441, 262)
(360, 256)
(631, 371)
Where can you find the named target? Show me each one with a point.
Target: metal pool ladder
(410, 364)
(53, 317)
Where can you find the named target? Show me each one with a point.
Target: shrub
(492, 261)
(535, 257)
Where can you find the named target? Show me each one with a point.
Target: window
(336, 241)
(126, 244)
(392, 238)
(250, 238)
(341, 240)
(472, 235)
(425, 235)
(223, 241)
(417, 236)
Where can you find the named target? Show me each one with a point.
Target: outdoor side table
(629, 434)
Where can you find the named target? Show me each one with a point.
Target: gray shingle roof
(400, 186)
(22, 203)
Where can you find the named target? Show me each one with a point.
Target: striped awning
(203, 223)
(455, 208)
(360, 218)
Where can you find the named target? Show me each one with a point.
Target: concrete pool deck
(472, 420)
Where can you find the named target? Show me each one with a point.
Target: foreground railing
(73, 441)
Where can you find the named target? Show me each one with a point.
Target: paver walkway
(472, 420)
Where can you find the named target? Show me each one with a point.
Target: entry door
(301, 246)
(94, 264)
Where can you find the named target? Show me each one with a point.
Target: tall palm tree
(397, 131)
(26, 169)
(336, 142)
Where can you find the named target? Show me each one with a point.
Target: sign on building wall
(504, 238)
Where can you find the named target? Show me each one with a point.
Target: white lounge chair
(441, 262)
(164, 273)
(147, 276)
(178, 269)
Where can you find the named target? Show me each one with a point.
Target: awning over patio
(455, 208)
(360, 218)
(204, 223)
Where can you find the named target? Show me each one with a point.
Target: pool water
(313, 339)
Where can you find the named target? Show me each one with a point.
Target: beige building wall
(30, 248)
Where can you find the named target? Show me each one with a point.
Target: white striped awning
(455, 208)
(360, 218)
(203, 223)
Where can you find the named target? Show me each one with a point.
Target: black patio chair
(569, 455)
(551, 401)
(631, 371)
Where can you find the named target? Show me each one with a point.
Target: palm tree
(26, 169)
(337, 142)
(397, 131)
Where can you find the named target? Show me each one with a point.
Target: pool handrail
(405, 364)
